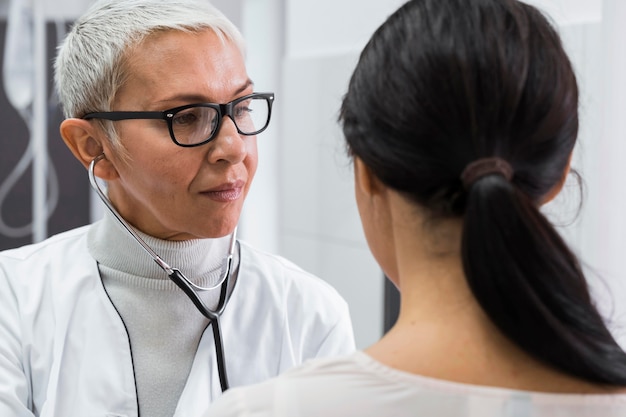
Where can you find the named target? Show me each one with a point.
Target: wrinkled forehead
(199, 64)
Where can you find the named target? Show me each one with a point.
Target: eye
(186, 117)
(243, 109)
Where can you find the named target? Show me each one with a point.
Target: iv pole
(25, 83)
(39, 124)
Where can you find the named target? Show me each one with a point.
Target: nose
(228, 145)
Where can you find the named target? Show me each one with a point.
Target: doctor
(160, 106)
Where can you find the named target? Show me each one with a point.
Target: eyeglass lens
(199, 123)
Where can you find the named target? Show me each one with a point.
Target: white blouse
(358, 385)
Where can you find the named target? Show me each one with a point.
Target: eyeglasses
(197, 124)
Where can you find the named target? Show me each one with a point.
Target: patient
(461, 117)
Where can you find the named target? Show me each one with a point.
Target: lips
(226, 192)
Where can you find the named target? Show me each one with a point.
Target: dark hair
(443, 83)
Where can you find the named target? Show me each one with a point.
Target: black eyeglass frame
(168, 115)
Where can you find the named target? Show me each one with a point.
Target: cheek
(367, 222)
(141, 138)
(252, 159)
(383, 251)
(378, 236)
(158, 174)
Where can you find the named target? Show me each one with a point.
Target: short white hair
(90, 66)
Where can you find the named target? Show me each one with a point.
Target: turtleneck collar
(201, 260)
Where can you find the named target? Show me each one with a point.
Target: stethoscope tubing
(180, 280)
(213, 315)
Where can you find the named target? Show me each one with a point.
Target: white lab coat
(64, 350)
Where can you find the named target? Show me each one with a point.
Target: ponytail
(532, 286)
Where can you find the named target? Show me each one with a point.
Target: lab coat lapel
(203, 384)
(92, 372)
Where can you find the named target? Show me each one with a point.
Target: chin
(216, 233)
(199, 233)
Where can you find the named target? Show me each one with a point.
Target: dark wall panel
(73, 205)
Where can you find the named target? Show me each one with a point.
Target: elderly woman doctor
(160, 106)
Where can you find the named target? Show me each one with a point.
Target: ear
(367, 182)
(86, 142)
(559, 186)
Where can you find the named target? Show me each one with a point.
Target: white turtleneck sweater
(163, 325)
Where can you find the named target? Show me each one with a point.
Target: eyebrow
(195, 98)
(245, 86)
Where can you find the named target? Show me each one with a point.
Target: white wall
(604, 241)
(262, 26)
(570, 12)
(592, 31)
(320, 227)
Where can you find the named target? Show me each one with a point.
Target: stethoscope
(183, 282)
